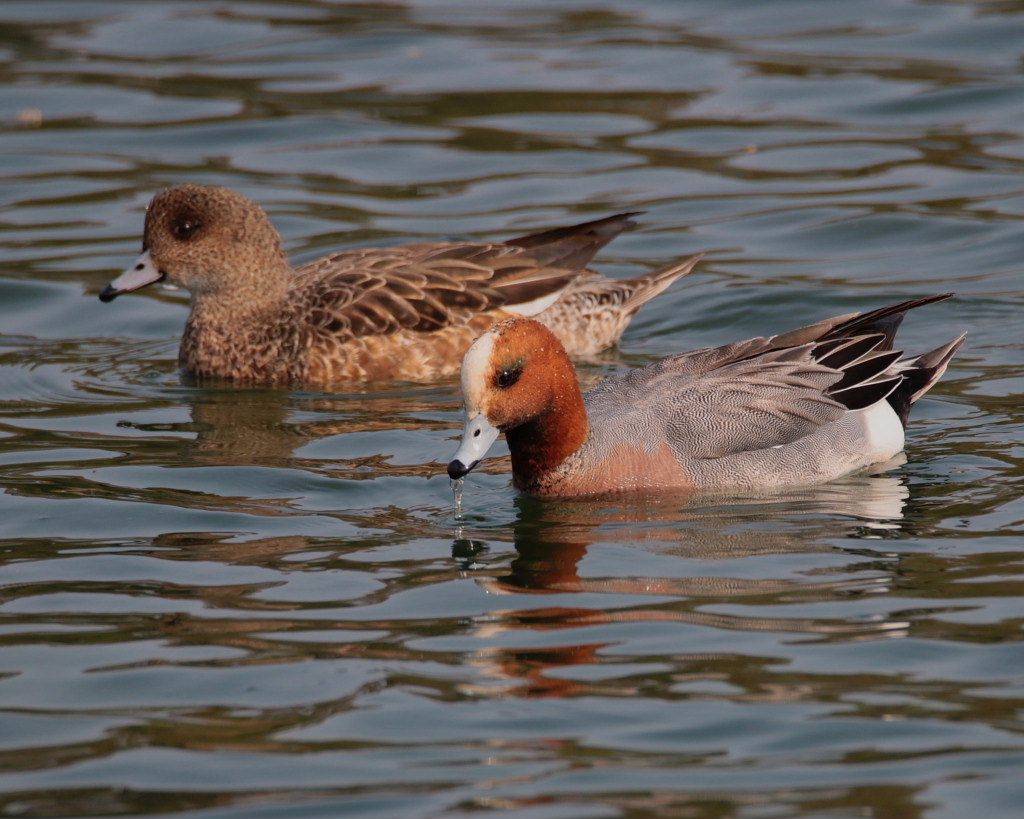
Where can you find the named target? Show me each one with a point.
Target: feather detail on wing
(763, 392)
(427, 286)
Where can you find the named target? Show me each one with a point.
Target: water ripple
(222, 601)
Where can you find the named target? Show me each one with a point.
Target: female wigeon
(798, 408)
(404, 313)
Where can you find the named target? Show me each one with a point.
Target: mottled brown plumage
(402, 313)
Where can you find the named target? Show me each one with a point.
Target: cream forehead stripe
(475, 369)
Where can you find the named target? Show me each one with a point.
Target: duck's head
(205, 239)
(513, 375)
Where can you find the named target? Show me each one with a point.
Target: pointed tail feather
(573, 247)
(920, 374)
(885, 320)
(648, 285)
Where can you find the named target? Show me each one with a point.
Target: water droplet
(457, 487)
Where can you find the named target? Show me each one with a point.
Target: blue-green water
(231, 602)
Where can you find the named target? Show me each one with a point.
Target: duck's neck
(245, 297)
(237, 333)
(542, 444)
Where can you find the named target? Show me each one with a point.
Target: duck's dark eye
(509, 376)
(184, 228)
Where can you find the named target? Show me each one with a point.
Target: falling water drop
(457, 486)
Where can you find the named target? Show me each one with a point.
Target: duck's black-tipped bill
(477, 437)
(457, 469)
(140, 274)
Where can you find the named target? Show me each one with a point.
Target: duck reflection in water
(555, 540)
(270, 428)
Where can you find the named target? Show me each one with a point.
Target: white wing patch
(532, 308)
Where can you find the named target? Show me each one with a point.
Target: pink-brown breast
(624, 467)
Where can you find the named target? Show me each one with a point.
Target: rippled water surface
(235, 602)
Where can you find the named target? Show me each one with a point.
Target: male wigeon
(401, 313)
(796, 409)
